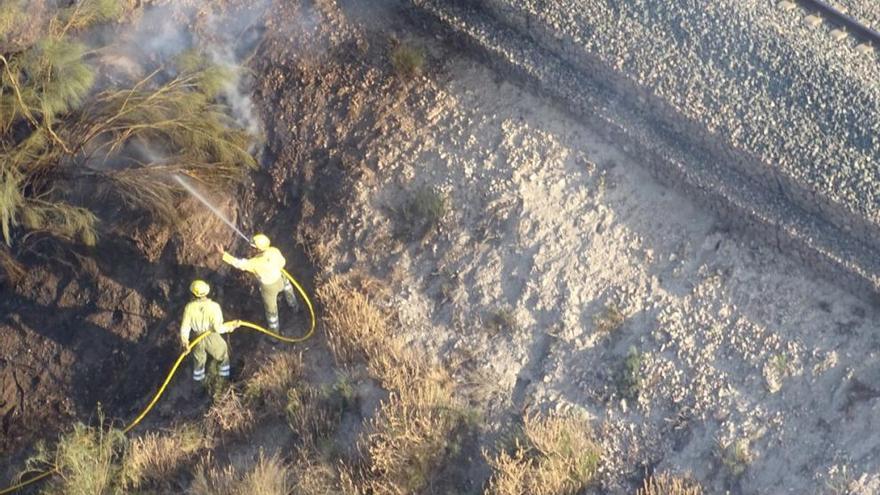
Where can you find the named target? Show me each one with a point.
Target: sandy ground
(751, 373)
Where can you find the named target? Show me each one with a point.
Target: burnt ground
(344, 134)
(88, 328)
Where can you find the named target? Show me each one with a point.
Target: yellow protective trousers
(270, 292)
(215, 346)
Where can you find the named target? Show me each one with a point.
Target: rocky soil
(560, 276)
(564, 277)
(782, 103)
(866, 11)
(800, 102)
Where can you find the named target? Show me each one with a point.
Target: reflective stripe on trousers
(198, 374)
(212, 345)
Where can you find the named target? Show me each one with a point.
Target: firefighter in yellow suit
(266, 266)
(204, 315)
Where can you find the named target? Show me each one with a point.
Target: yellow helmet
(261, 242)
(199, 288)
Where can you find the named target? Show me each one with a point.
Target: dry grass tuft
(355, 327)
(321, 478)
(12, 270)
(269, 476)
(421, 425)
(412, 435)
(311, 419)
(315, 414)
(86, 460)
(156, 456)
(555, 456)
(666, 484)
(229, 414)
(408, 60)
(269, 385)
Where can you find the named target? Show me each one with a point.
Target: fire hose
(177, 363)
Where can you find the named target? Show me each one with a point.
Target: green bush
(51, 120)
(629, 383)
(408, 60)
(421, 212)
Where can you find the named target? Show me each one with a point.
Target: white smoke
(227, 40)
(162, 33)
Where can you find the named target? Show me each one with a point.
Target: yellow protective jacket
(202, 315)
(266, 265)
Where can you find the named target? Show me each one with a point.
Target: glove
(229, 326)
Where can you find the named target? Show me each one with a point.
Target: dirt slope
(548, 228)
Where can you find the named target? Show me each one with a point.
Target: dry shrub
(21, 23)
(422, 424)
(420, 214)
(86, 460)
(229, 414)
(313, 477)
(411, 436)
(555, 456)
(155, 456)
(10, 268)
(269, 385)
(51, 116)
(666, 484)
(610, 320)
(269, 476)
(310, 418)
(355, 328)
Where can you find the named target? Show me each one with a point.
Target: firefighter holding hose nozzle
(266, 265)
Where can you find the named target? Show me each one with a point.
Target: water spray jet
(219, 214)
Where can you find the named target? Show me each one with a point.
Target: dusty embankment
(530, 256)
(561, 276)
(786, 157)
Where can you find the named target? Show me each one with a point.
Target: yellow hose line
(189, 348)
(134, 423)
(28, 482)
(153, 402)
(312, 319)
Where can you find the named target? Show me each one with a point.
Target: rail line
(838, 17)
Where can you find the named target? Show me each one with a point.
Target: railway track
(844, 25)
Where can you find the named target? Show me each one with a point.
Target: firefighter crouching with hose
(266, 266)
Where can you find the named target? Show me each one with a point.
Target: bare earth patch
(722, 357)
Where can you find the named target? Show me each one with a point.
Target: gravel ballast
(770, 123)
